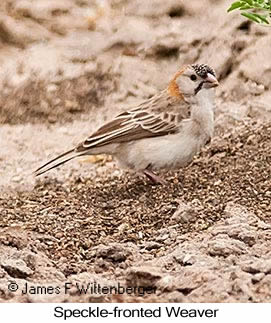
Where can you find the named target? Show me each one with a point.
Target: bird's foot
(153, 177)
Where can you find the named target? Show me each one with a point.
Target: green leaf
(262, 18)
(245, 7)
(266, 4)
(251, 16)
(250, 2)
(258, 4)
(235, 5)
(253, 10)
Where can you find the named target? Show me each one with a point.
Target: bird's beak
(210, 81)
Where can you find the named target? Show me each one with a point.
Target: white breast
(172, 151)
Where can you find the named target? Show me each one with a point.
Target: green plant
(256, 10)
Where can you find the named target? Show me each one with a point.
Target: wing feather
(141, 122)
(158, 116)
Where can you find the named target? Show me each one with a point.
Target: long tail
(59, 160)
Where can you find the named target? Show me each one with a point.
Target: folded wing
(145, 121)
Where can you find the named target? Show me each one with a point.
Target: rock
(51, 88)
(256, 266)
(14, 32)
(257, 278)
(189, 260)
(263, 287)
(184, 281)
(254, 88)
(42, 9)
(150, 245)
(184, 258)
(115, 252)
(260, 53)
(239, 231)
(176, 297)
(3, 273)
(170, 8)
(16, 268)
(143, 276)
(185, 213)
(222, 62)
(98, 224)
(155, 8)
(223, 246)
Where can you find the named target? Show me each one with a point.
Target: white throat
(203, 110)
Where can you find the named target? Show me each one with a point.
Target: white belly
(166, 152)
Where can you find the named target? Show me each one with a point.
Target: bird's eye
(193, 77)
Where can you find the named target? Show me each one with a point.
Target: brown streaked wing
(136, 124)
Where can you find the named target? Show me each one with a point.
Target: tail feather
(59, 160)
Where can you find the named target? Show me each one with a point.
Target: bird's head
(191, 79)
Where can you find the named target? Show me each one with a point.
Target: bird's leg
(154, 178)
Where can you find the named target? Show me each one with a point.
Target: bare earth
(69, 65)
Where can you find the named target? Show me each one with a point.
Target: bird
(162, 133)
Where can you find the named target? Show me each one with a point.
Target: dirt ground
(69, 65)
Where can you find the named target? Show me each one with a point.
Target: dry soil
(69, 65)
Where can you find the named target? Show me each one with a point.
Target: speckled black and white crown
(203, 69)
